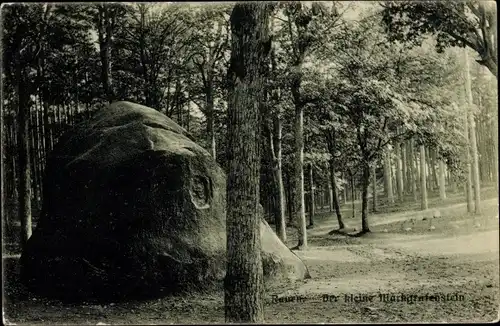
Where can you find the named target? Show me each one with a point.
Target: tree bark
(423, 180)
(243, 283)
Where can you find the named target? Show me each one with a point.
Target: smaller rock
(408, 229)
(385, 231)
(432, 227)
(436, 213)
(424, 219)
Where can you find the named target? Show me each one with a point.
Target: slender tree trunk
(468, 181)
(275, 143)
(399, 172)
(442, 180)
(23, 154)
(495, 154)
(411, 166)
(243, 283)
(290, 198)
(432, 156)
(404, 168)
(388, 178)
(105, 38)
(417, 169)
(330, 193)
(333, 185)
(209, 111)
(472, 140)
(352, 197)
(299, 176)
(374, 187)
(364, 200)
(423, 180)
(311, 192)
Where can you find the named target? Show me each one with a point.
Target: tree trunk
(209, 111)
(388, 178)
(432, 157)
(330, 194)
(468, 181)
(472, 140)
(399, 172)
(374, 187)
(417, 168)
(333, 185)
(289, 199)
(275, 143)
(404, 166)
(299, 176)
(352, 197)
(243, 283)
(105, 38)
(442, 180)
(311, 194)
(364, 200)
(411, 166)
(23, 152)
(423, 180)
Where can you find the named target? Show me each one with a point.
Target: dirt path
(387, 218)
(438, 275)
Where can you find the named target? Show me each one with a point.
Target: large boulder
(132, 206)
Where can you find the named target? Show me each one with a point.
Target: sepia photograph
(269, 162)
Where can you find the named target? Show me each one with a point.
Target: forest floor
(454, 256)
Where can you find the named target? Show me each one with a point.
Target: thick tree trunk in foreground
(423, 180)
(243, 283)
